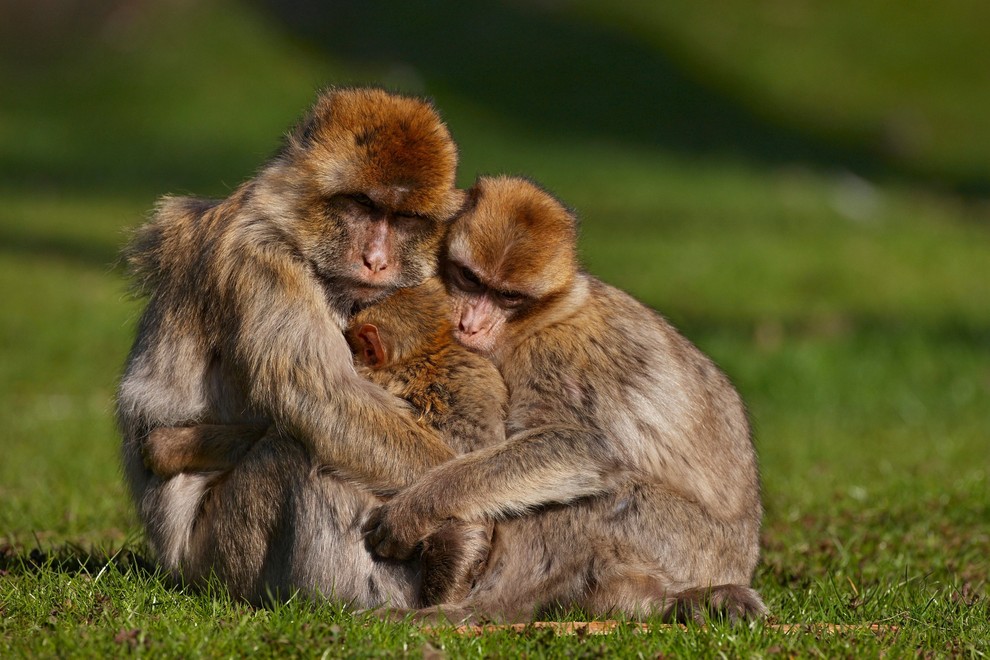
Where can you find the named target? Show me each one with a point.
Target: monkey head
(509, 255)
(410, 322)
(372, 177)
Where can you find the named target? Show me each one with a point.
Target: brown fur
(454, 391)
(628, 482)
(170, 450)
(248, 298)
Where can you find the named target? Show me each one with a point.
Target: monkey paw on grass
(393, 530)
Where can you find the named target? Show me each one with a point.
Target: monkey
(247, 300)
(628, 480)
(405, 344)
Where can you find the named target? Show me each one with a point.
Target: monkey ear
(470, 198)
(372, 348)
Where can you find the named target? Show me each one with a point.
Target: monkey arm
(205, 447)
(299, 369)
(535, 467)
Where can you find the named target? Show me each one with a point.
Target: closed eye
(464, 278)
(362, 200)
(511, 298)
(469, 276)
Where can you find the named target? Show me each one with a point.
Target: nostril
(375, 265)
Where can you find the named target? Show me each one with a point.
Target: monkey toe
(738, 604)
(729, 602)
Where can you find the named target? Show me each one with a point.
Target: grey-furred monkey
(403, 343)
(248, 298)
(628, 480)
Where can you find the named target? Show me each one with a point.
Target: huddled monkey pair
(515, 436)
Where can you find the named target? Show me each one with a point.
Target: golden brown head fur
(394, 148)
(518, 234)
(353, 145)
(411, 322)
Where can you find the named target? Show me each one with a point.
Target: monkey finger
(379, 539)
(383, 544)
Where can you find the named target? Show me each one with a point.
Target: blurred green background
(802, 186)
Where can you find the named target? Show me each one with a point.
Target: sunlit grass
(852, 315)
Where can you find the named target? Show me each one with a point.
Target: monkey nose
(469, 327)
(375, 263)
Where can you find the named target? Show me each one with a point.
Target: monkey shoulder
(458, 393)
(613, 357)
(647, 335)
(471, 379)
(177, 251)
(176, 208)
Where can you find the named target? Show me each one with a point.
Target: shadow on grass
(73, 560)
(542, 68)
(559, 75)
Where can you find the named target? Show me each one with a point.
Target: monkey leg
(660, 554)
(274, 526)
(244, 528)
(642, 551)
(641, 594)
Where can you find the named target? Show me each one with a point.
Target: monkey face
(479, 313)
(373, 246)
(377, 177)
(508, 255)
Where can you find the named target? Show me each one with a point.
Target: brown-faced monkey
(248, 298)
(628, 481)
(405, 344)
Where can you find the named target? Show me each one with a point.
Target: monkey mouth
(352, 293)
(479, 346)
(365, 293)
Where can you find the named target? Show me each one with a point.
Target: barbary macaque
(628, 480)
(248, 298)
(405, 344)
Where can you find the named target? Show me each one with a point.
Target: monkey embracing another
(248, 298)
(405, 344)
(628, 480)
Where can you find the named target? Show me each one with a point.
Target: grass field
(804, 191)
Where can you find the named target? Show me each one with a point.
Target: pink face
(477, 322)
(480, 312)
(386, 247)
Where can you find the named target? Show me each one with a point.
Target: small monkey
(628, 479)
(248, 298)
(405, 344)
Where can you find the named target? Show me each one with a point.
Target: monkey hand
(393, 530)
(159, 455)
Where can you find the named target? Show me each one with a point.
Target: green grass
(751, 173)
